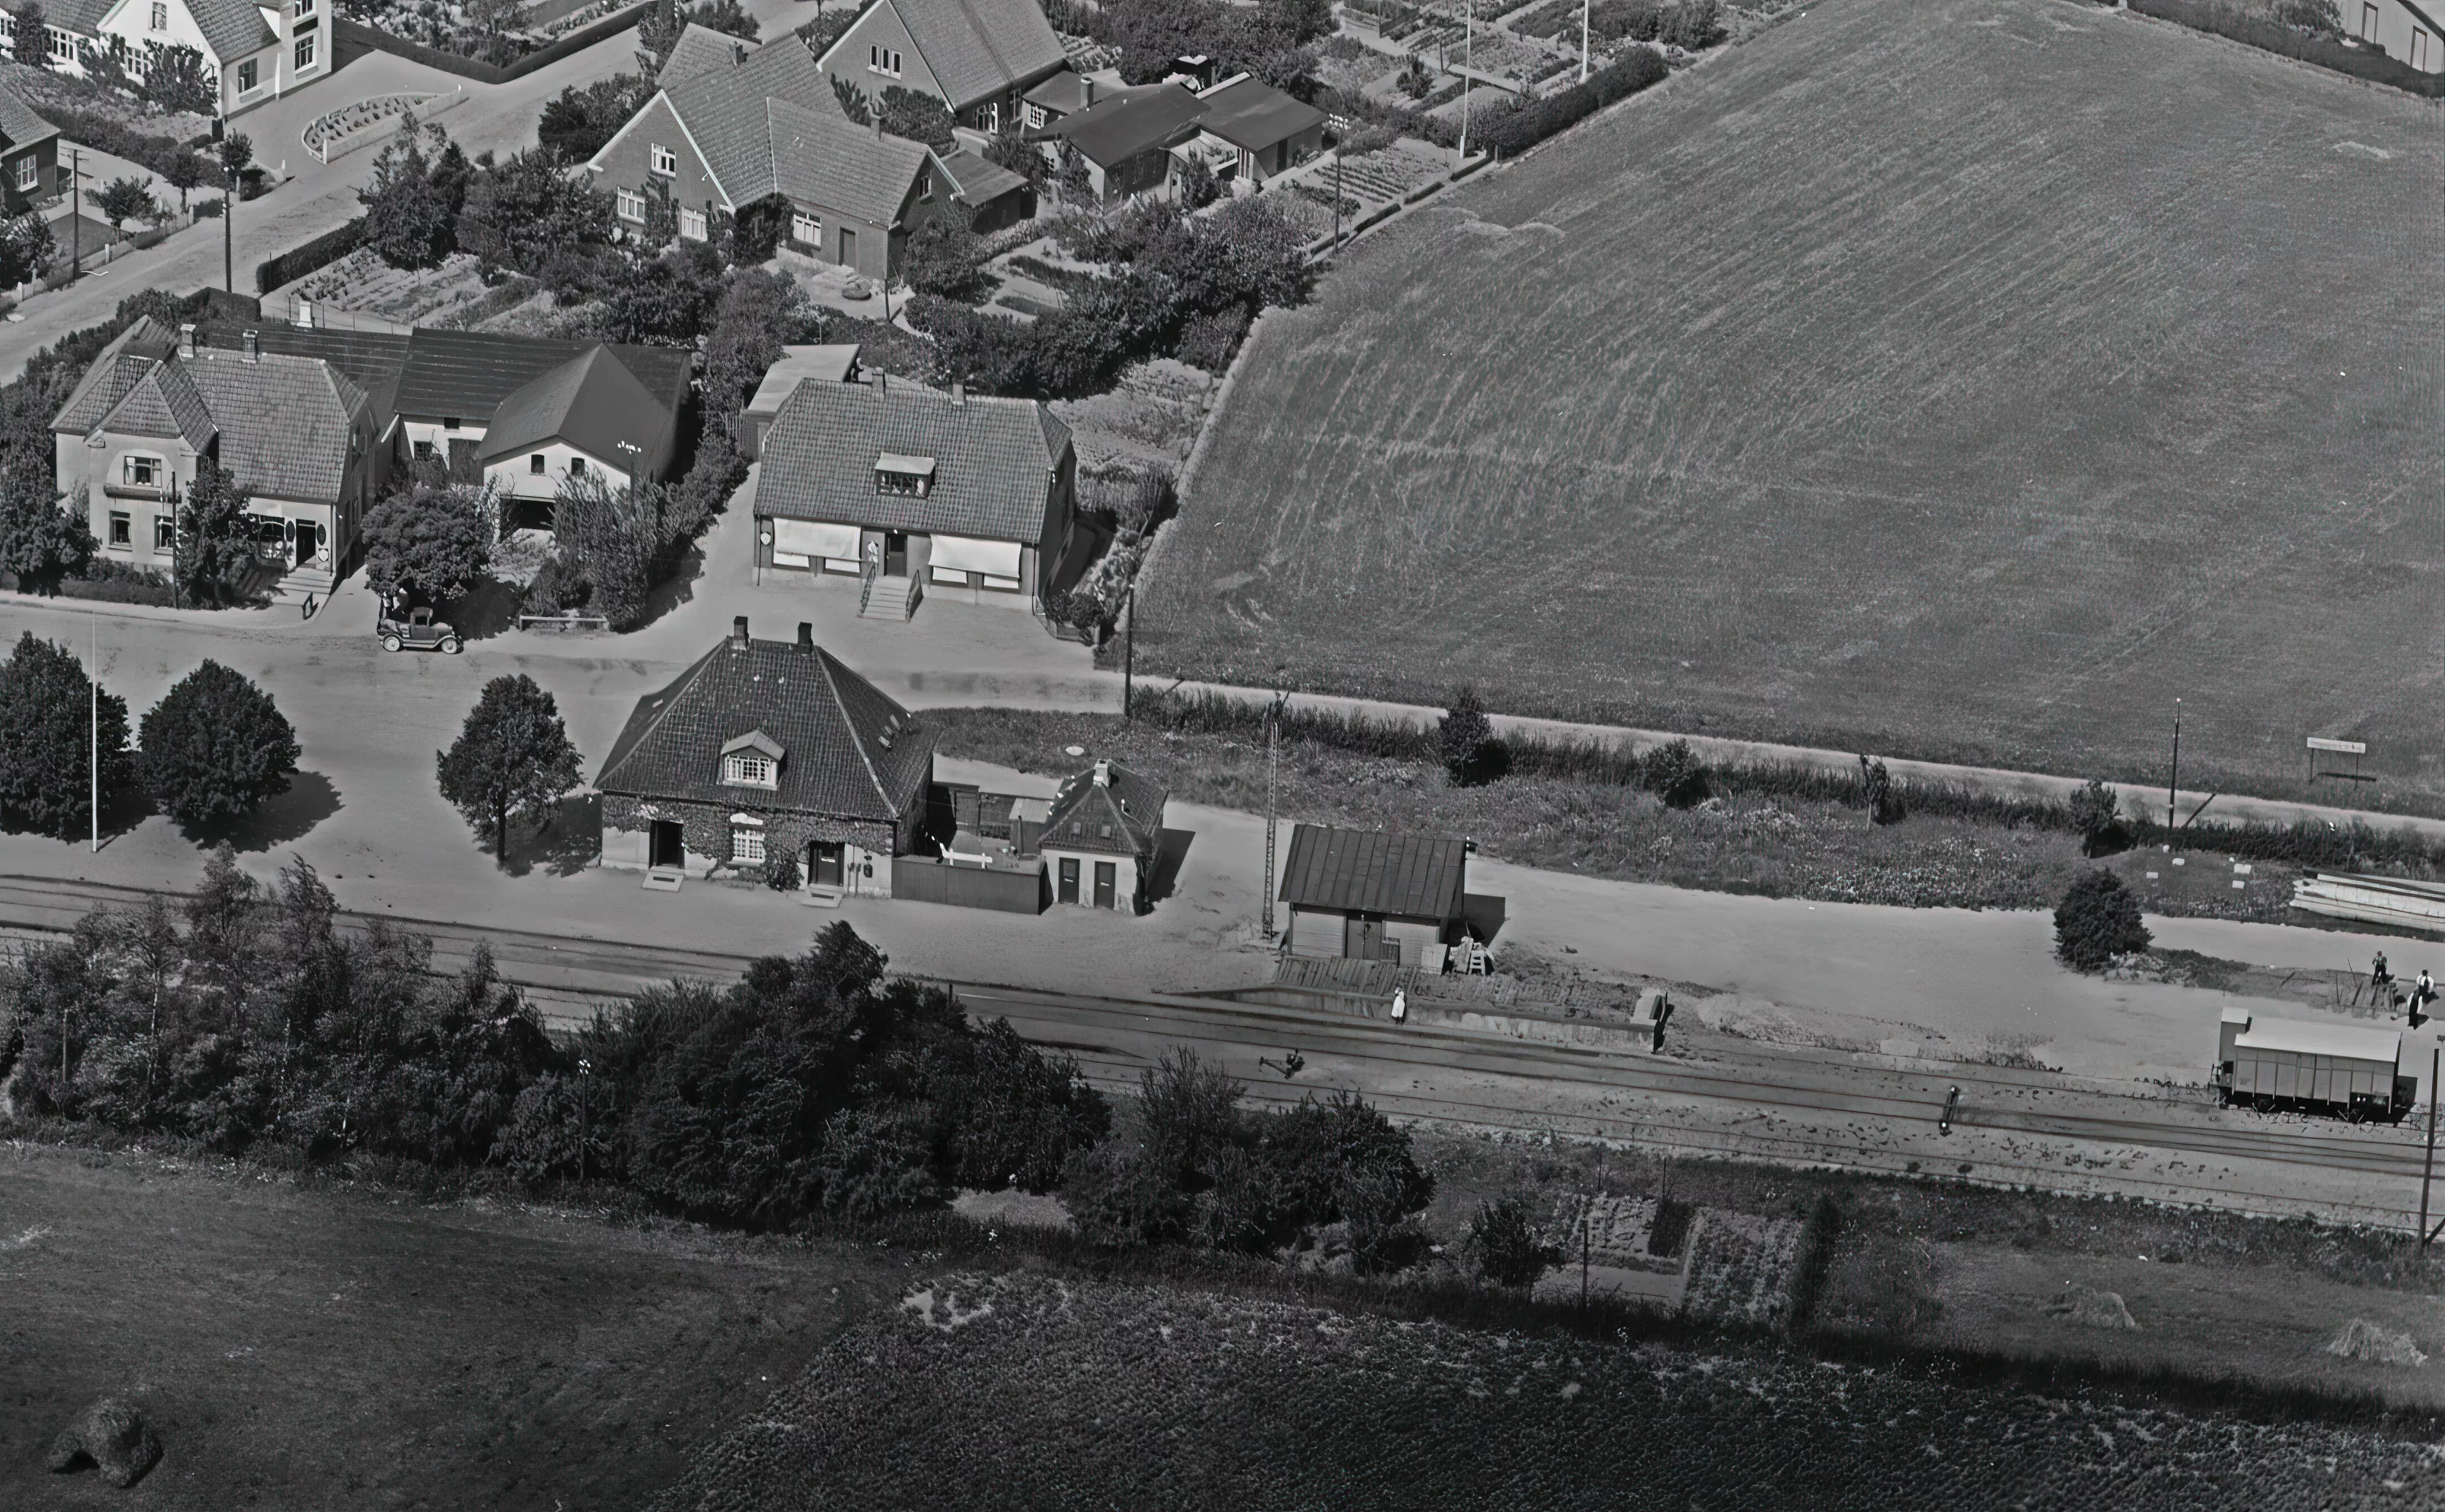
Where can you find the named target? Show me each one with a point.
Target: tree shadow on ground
(681, 587)
(486, 610)
(565, 845)
(1170, 854)
(284, 820)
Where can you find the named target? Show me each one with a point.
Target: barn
(1371, 895)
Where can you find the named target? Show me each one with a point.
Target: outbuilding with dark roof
(1373, 895)
(1101, 840)
(30, 155)
(925, 492)
(766, 749)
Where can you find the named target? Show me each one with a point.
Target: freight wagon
(2271, 1063)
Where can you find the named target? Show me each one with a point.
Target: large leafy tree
(27, 250)
(582, 119)
(122, 201)
(215, 552)
(40, 541)
(668, 300)
(48, 727)
(214, 747)
(421, 181)
(433, 540)
(513, 755)
(522, 210)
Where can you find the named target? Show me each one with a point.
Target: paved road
(1820, 1105)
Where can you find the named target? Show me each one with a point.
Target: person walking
(1400, 1005)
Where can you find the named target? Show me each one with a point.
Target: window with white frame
(631, 205)
(165, 533)
(305, 52)
(2423, 51)
(30, 172)
(9, 29)
(160, 17)
(248, 78)
(665, 162)
(750, 769)
(305, 9)
(692, 224)
(123, 529)
(885, 60)
(1035, 115)
(64, 48)
(746, 840)
(141, 472)
(807, 229)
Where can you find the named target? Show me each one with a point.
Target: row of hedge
(90, 128)
(313, 256)
(157, 591)
(1515, 131)
(2325, 50)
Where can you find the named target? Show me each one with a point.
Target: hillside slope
(1958, 380)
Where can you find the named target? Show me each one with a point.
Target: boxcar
(2271, 1063)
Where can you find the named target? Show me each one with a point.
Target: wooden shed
(1371, 895)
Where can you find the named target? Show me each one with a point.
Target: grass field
(1967, 382)
(305, 1349)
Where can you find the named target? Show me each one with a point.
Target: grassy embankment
(1777, 831)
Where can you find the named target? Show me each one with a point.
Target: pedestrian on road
(1400, 1005)
(2424, 992)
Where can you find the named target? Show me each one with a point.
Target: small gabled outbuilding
(1371, 895)
(1102, 837)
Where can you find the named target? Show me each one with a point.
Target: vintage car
(419, 629)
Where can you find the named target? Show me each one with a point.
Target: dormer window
(752, 761)
(903, 476)
(141, 472)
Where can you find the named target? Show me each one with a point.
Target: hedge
(2291, 42)
(121, 590)
(1537, 120)
(315, 255)
(578, 41)
(100, 132)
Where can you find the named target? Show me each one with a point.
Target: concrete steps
(892, 598)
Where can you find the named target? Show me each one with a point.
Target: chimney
(187, 340)
(1089, 85)
(739, 633)
(1103, 773)
(738, 53)
(805, 639)
(959, 395)
(246, 348)
(876, 119)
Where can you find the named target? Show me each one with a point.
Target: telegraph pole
(2428, 1164)
(93, 723)
(2173, 777)
(1583, 41)
(1129, 652)
(1273, 777)
(1467, 61)
(76, 226)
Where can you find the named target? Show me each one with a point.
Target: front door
(848, 248)
(663, 847)
(1068, 893)
(824, 865)
(895, 553)
(1361, 937)
(1107, 874)
(2368, 23)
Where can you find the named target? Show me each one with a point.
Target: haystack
(2363, 1340)
(113, 1437)
(2085, 1307)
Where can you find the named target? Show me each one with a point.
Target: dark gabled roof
(591, 402)
(284, 422)
(723, 111)
(994, 460)
(978, 49)
(849, 752)
(976, 180)
(1252, 116)
(232, 28)
(116, 370)
(372, 360)
(819, 157)
(699, 49)
(19, 125)
(1111, 132)
(1064, 93)
(84, 17)
(1121, 816)
(1407, 876)
(465, 375)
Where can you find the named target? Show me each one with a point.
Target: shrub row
(286, 268)
(93, 129)
(153, 590)
(1517, 130)
(2321, 49)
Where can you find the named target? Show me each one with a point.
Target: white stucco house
(252, 52)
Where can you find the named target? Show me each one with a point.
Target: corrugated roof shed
(2344, 1042)
(994, 460)
(848, 750)
(978, 49)
(1120, 816)
(591, 402)
(1374, 871)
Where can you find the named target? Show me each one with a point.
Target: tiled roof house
(978, 57)
(758, 131)
(1102, 837)
(296, 432)
(766, 748)
(253, 52)
(921, 492)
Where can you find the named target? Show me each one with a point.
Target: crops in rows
(1966, 383)
(1008, 1391)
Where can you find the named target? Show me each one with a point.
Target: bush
(1466, 741)
(2098, 920)
(781, 871)
(312, 257)
(1673, 773)
(1884, 799)
(1210, 340)
(1122, 1196)
(2094, 812)
(947, 259)
(1505, 1245)
(583, 120)
(216, 747)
